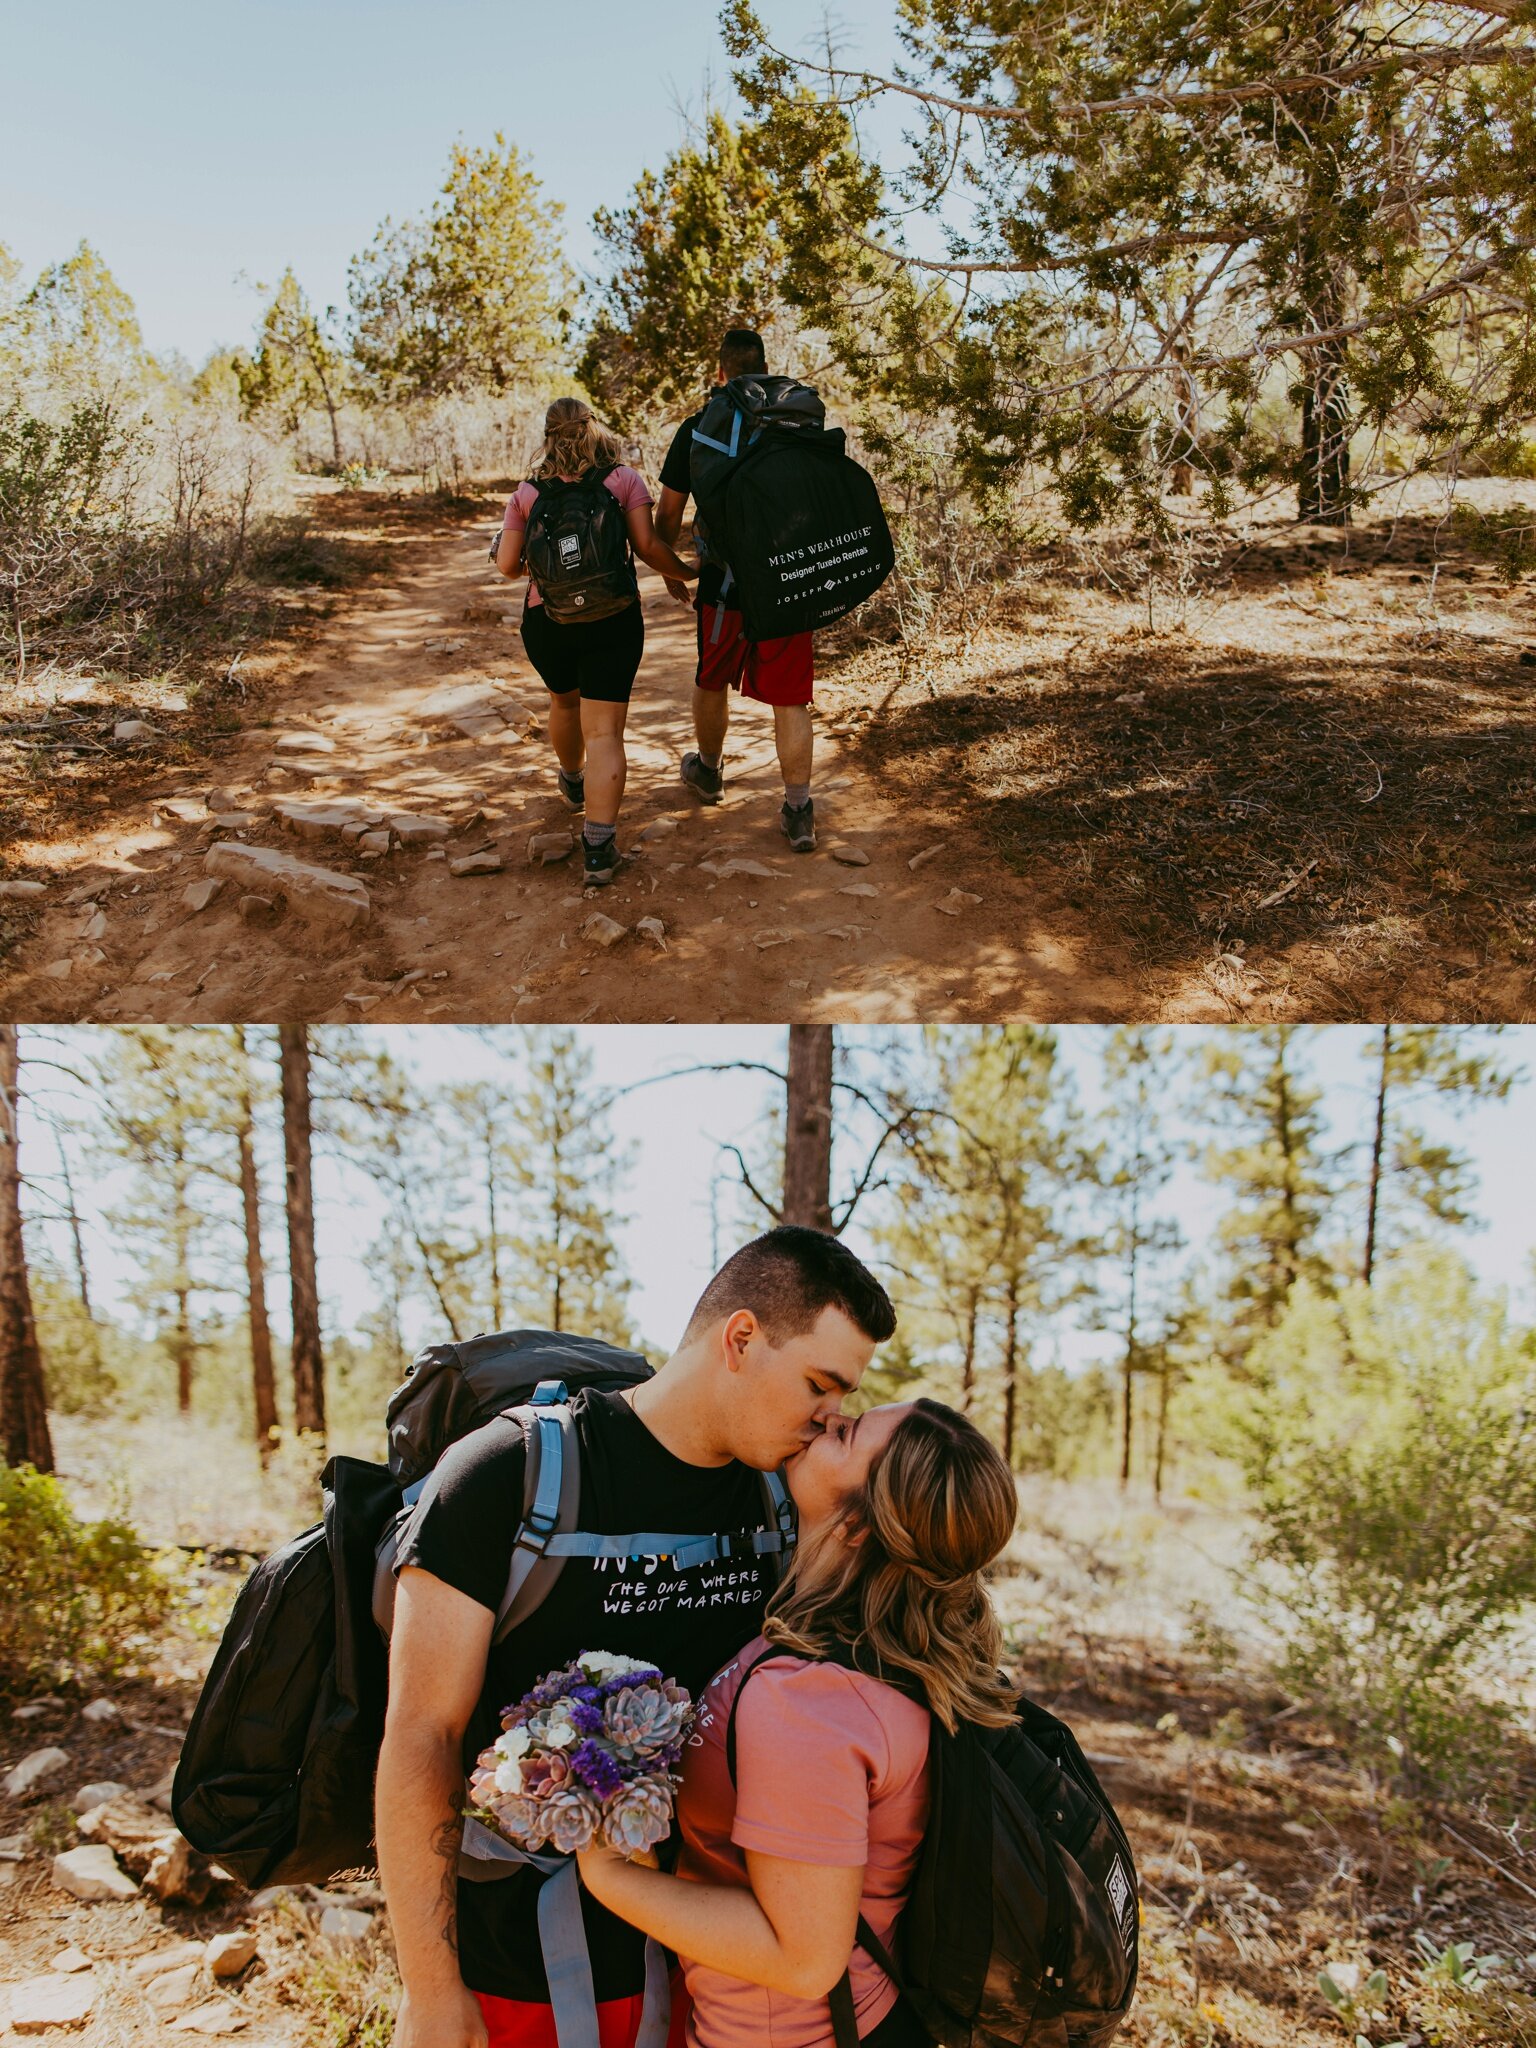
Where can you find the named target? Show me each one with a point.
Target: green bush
(72, 1594)
(1391, 1449)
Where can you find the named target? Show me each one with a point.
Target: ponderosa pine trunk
(308, 1359)
(24, 1435)
(808, 1127)
(263, 1379)
(1378, 1150)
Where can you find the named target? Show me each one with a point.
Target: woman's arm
(793, 1931)
(509, 551)
(653, 550)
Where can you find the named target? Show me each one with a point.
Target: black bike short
(601, 660)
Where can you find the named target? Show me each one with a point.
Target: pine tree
(1279, 1180)
(24, 1433)
(564, 1263)
(1114, 240)
(1405, 1170)
(307, 1354)
(474, 297)
(695, 252)
(80, 331)
(977, 1235)
(161, 1111)
(1136, 1163)
(296, 365)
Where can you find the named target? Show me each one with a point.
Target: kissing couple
(805, 1792)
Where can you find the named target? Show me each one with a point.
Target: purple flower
(598, 1768)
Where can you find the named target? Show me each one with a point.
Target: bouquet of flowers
(589, 1754)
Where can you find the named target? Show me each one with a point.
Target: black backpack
(275, 1778)
(1023, 1919)
(577, 549)
(796, 522)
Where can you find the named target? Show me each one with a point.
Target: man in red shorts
(776, 672)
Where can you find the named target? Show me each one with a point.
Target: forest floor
(1265, 1854)
(1303, 788)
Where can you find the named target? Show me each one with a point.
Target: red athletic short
(512, 2024)
(772, 671)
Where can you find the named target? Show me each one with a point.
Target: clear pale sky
(193, 141)
(676, 1127)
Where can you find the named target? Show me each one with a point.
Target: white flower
(512, 1744)
(560, 1733)
(600, 1665)
(509, 1778)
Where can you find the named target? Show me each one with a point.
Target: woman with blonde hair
(585, 632)
(882, 1623)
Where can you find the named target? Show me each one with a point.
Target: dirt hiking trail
(404, 758)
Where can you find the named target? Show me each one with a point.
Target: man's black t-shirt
(687, 1622)
(677, 475)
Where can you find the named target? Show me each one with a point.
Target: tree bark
(24, 1436)
(808, 1127)
(1323, 491)
(1127, 1394)
(1378, 1147)
(308, 1360)
(1164, 1379)
(77, 1241)
(263, 1380)
(1011, 1380)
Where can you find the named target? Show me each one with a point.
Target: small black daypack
(577, 549)
(275, 1778)
(1022, 1925)
(783, 507)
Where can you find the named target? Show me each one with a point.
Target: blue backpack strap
(723, 447)
(551, 1501)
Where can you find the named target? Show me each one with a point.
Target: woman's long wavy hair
(896, 1581)
(573, 441)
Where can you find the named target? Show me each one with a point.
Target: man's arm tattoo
(447, 1846)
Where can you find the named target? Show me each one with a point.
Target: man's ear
(737, 1335)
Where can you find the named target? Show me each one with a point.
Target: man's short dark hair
(787, 1277)
(742, 354)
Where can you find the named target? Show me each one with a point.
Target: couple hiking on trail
(807, 542)
(573, 1561)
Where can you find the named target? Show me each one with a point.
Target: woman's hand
(597, 1863)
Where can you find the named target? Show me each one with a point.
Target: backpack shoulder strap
(551, 1503)
(764, 1657)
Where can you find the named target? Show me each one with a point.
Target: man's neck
(675, 1409)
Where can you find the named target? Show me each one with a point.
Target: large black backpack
(1022, 1924)
(784, 508)
(577, 549)
(275, 1777)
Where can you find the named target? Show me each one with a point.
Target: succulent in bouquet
(588, 1754)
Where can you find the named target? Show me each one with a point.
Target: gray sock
(711, 761)
(797, 795)
(597, 835)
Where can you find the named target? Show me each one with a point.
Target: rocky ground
(1298, 781)
(382, 836)
(113, 1929)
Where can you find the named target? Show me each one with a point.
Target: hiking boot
(706, 783)
(798, 824)
(573, 788)
(599, 864)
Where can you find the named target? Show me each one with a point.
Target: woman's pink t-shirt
(626, 484)
(831, 1769)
